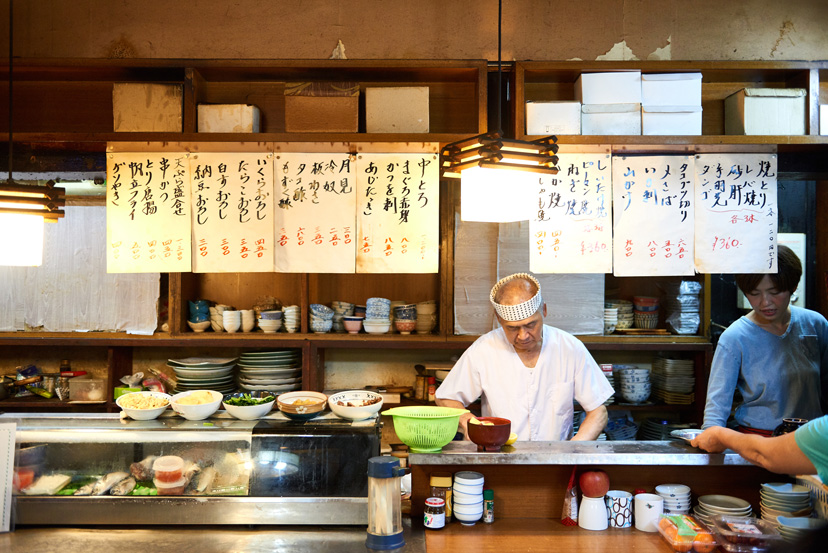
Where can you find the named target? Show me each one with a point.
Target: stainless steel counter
(579, 453)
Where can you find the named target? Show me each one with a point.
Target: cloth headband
(522, 310)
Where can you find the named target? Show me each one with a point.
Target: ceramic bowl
(461, 498)
(408, 312)
(321, 327)
(143, 414)
(249, 412)
(322, 311)
(355, 405)
(271, 315)
(376, 327)
(490, 437)
(352, 326)
(404, 326)
(196, 412)
(468, 519)
(287, 405)
(199, 327)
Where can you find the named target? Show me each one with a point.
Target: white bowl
(199, 327)
(466, 518)
(376, 328)
(466, 498)
(249, 412)
(470, 509)
(196, 412)
(356, 411)
(143, 414)
(470, 490)
(672, 490)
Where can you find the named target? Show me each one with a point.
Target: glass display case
(98, 469)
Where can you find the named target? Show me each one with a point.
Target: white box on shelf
(671, 120)
(616, 87)
(396, 109)
(671, 89)
(147, 107)
(611, 119)
(766, 111)
(823, 119)
(228, 118)
(545, 118)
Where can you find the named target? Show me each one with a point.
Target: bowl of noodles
(302, 405)
(143, 406)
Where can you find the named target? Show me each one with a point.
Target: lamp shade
(21, 240)
(495, 195)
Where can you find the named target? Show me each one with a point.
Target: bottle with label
(432, 388)
(441, 488)
(434, 514)
(488, 506)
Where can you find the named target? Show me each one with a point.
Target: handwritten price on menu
(725, 243)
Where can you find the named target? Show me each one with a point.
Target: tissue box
(671, 120)
(399, 109)
(671, 89)
(619, 87)
(321, 107)
(144, 107)
(766, 111)
(611, 119)
(228, 118)
(545, 118)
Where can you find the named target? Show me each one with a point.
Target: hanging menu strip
(653, 215)
(315, 213)
(233, 212)
(571, 228)
(398, 213)
(148, 213)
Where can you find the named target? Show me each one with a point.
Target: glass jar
(441, 488)
(434, 514)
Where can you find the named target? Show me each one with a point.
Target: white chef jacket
(538, 400)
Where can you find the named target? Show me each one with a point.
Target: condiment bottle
(488, 506)
(434, 514)
(432, 388)
(441, 488)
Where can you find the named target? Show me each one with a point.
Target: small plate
(686, 434)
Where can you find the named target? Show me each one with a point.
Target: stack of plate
(710, 505)
(606, 368)
(659, 429)
(272, 371)
(786, 500)
(673, 380)
(204, 373)
(676, 498)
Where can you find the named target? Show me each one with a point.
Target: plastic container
(744, 534)
(168, 469)
(685, 533)
(90, 389)
(170, 488)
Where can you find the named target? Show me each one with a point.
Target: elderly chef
(528, 372)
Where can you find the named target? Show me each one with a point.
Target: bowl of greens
(249, 406)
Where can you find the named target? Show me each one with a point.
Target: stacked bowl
(291, 318)
(784, 500)
(467, 497)
(377, 316)
(405, 318)
(217, 316)
(645, 312)
(231, 320)
(321, 318)
(248, 320)
(341, 309)
(610, 319)
(796, 529)
(270, 321)
(624, 309)
(676, 498)
(426, 317)
(635, 384)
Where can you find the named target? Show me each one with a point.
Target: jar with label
(441, 487)
(434, 514)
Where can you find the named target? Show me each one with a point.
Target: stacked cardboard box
(671, 104)
(611, 102)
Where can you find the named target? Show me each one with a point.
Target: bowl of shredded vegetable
(143, 406)
(249, 405)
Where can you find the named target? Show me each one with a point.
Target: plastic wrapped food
(684, 533)
(744, 534)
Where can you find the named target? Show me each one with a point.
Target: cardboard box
(545, 118)
(228, 118)
(611, 119)
(396, 109)
(671, 120)
(321, 107)
(146, 107)
(766, 111)
(618, 87)
(823, 119)
(671, 89)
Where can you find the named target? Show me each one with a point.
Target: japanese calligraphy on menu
(398, 213)
(653, 215)
(232, 203)
(571, 229)
(736, 213)
(148, 213)
(316, 213)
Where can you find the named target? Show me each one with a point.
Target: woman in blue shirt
(776, 356)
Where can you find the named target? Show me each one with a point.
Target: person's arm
(724, 374)
(464, 418)
(779, 454)
(593, 424)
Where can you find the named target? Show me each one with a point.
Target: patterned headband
(522, 310)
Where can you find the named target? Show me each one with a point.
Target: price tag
(7, 431)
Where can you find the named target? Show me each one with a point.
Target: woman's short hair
(789, 271)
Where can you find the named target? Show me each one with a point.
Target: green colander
(425, 429)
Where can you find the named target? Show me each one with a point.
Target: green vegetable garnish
(246, 400)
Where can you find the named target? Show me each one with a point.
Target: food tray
(685, 533)
(744, 534)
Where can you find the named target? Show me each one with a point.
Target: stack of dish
(610, 319)
(659, 429)
(467, 497)
(273, 371)
(607, 369)
(710, 505)
(321, 318)
(377, 316)
(426, 316)
(270, 321)
(795, 529)
(625, 316)
(673, 381)
(645, 314)
(291, 318)
(786, 500)
(341, 309)
(204, 373)
(676, 498)
(635, 384)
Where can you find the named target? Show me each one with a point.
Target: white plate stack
(676, 498)
(710, 505)
(271, 371)
(204, 373)
(673, 381)
(291, 318)
(467, 497)
(786, 500)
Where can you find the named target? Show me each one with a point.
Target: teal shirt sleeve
(812, 439)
